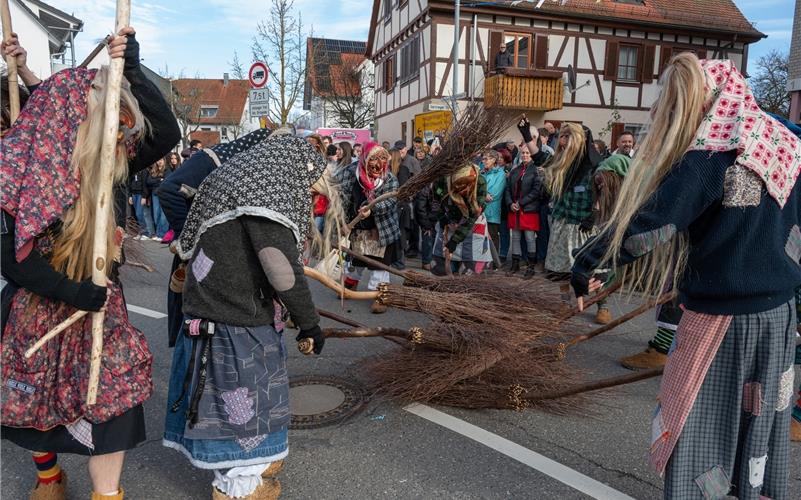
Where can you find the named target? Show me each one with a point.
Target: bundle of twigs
(475, 130)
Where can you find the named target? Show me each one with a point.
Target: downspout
(455, 63)
(473, 43)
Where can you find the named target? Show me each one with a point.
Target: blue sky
(198, 37)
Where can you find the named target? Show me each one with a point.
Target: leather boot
(795, 430)
(646, 360)
(603, 316)
(378, 307)
(119, 496)
(515, 267)
(51, 491)
(531, 269)
(270, 489)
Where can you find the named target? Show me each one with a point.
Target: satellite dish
(571, 78)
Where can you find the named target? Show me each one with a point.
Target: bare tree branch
(236, 68)
(770, 83)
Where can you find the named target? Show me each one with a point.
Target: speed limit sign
(258, 75)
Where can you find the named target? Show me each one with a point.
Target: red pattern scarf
(39, 185)
(369, 185)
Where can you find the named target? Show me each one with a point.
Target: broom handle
(665, 297)
(601, 384)
(359, 217)
(11, 61)
(373, 262)
(306, 345)
(108, 153)
(595, 299)
(55, 331)
(96, 51)
(333, 285)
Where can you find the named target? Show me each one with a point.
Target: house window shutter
(610, 64)
(665, 53)
(541, 47)
(649, 53)
(617, 129)
(495, 40)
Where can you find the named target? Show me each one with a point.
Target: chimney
(225, 79)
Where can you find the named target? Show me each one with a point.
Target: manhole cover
(320, 401)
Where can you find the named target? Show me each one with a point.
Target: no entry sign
(258, 75)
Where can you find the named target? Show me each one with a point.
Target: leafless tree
(770, 83)
(280, 43)
(345, 88)
(236, 68)
(186, 106)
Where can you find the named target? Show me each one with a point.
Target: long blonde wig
(675, 118)
(334, 217)
(72, 249)
(565, 157)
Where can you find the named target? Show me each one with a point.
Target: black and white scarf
(271, 180)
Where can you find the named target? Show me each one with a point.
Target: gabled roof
(58, 24)
(230, 99)
(332, 60)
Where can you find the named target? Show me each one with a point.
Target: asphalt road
(386, 451)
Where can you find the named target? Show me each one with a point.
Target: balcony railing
(525, 89)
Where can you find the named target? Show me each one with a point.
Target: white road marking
(150, 313)
(523, 455)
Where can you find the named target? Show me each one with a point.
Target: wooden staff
(665, 297)
(11, 61)
(374, 263)
(594, 299)
(595, 386)
(333, 285)
(371, 205)
(96, 51)
(108, 153)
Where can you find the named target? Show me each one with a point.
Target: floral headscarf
(734, 121)
(371, 150)
(464, 179)
(38, 184)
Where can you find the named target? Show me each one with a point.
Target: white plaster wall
(583, 56)
(649, 94)
(626, 96)
(33, 38)
(588, 94)
(554, 42)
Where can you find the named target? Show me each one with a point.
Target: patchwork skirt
(564, 238)
(736, 439)
(243, 411)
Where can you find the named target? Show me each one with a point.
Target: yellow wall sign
(432, 124)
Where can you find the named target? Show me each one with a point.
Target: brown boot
(378, 307)
(273, 469)
(270, 489)
(51, 491)
(603, 316)
(646, 360)
(119, 496)
(795, 430)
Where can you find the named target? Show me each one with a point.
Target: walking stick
(11, 61)
(96, 51)
(108, 153)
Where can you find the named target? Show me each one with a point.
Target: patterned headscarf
(734, 121)
(271, 179)
(466, 178)
(38, 184)
(371, 150)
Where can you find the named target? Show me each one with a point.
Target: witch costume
(462, 230)
(373, 236)
(44, 397)
(228, 406)
(723, 420)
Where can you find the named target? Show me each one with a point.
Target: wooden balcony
(524, 89)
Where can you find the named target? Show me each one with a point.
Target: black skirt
(118, 434)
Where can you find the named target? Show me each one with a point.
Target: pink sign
(351, 135)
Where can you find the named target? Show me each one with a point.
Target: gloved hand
(89, 297)
(131, 53)
(524, 126)
(580, 283)
(586, 225)
(316, 334)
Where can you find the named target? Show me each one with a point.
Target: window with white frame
(208, 111)
(627, 63)
(409, 60)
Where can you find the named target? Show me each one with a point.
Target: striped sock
(47, 469)
(662, 340)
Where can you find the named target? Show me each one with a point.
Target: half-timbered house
(616, 48)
